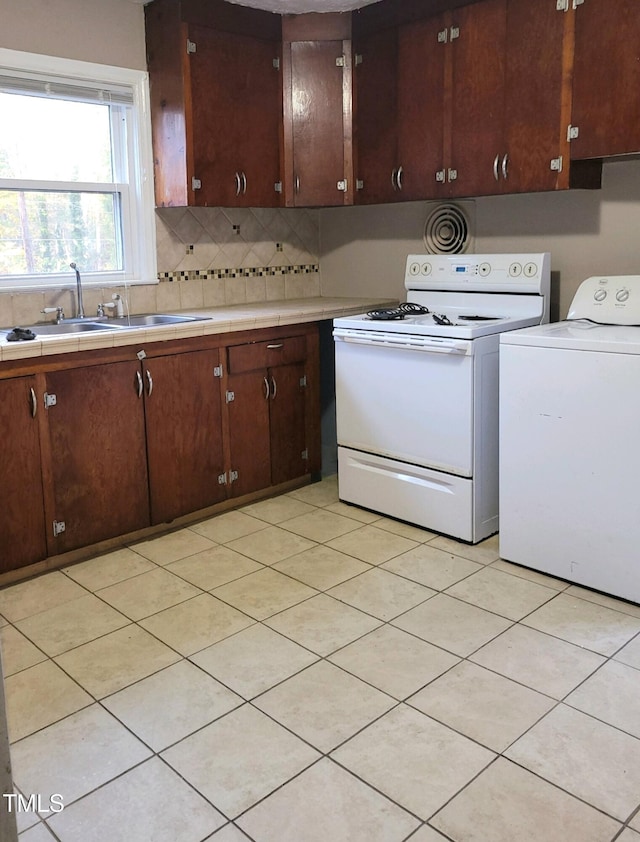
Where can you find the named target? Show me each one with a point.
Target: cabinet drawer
(253, 355)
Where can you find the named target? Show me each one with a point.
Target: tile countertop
(219, 320)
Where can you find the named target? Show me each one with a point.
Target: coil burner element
(407, 308)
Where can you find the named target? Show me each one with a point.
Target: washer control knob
(425, 269)
(530, 270)
(414, 269)
(622, 295)
(600, 294)
(515, 269)
(484, 269)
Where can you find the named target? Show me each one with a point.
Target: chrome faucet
(80, 308)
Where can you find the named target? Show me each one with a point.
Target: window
(75, 173)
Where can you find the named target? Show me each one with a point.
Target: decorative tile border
(253, 272)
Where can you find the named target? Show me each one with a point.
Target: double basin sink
(124, 323)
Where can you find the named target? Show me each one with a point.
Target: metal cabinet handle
(394, 183)
(266, 388)
(275, 347)
(139, 384)
(496, 163)
(505, 165)
(149, 382)
(296, 184)
(399, 175)
(238, 184)
(244, 182)
(34, 404)
(274, 388)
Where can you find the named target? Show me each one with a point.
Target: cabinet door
(606, 78)
(476, 129)
(317, 132)
(22, 519)
(184, 433)
(287, 423)
(235, 118)
(421, 101)
(376, 102)
(249, 438)
(99, 461)
(536, 107)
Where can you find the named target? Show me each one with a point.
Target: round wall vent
(446, 230)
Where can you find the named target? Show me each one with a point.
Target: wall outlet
(279, 247)
(189, 249)
(236, 228)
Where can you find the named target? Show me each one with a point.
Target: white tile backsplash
(206, 257)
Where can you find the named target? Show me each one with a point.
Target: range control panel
(525, 273)
(610, 300)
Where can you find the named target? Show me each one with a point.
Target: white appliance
(417, 393)
(570, 441)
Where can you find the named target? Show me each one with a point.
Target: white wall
(102, 31)
(363, 249)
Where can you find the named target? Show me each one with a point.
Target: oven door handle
(417, 343)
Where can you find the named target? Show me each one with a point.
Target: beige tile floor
(305, 671)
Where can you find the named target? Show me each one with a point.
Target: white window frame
(138, 200)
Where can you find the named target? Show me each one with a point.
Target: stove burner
(407, 308)
(441, 320)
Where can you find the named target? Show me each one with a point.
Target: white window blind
(75, 173)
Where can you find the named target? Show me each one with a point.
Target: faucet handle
(57, 310)
(105, 306)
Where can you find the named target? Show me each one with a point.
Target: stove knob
(600, 294)
(515, 269)
(622, 295)
(484, 269)
(425, 269)
(530, 270)
(414, 269)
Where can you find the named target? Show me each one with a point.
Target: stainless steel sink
(151, 319)
(63, 328)
(86, 325)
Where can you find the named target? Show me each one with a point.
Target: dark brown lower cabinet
(288, 441)
(248, 413)
(267, 404)
(108, 443)
(22, 519)
(184, 433)
(98, 455)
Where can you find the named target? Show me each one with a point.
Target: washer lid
(579, 335)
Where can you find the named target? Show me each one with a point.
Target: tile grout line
(325, 658)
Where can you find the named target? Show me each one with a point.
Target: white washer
(570, 441)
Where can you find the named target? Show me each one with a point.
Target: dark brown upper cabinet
(606, 77)
(399, 105)
(472, 101)
(401, 100)
(216, 113)
(317, 129)
(375, 85)
(535, 155)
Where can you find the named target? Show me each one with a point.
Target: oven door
(406, 397)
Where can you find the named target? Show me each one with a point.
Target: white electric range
(417, 392)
